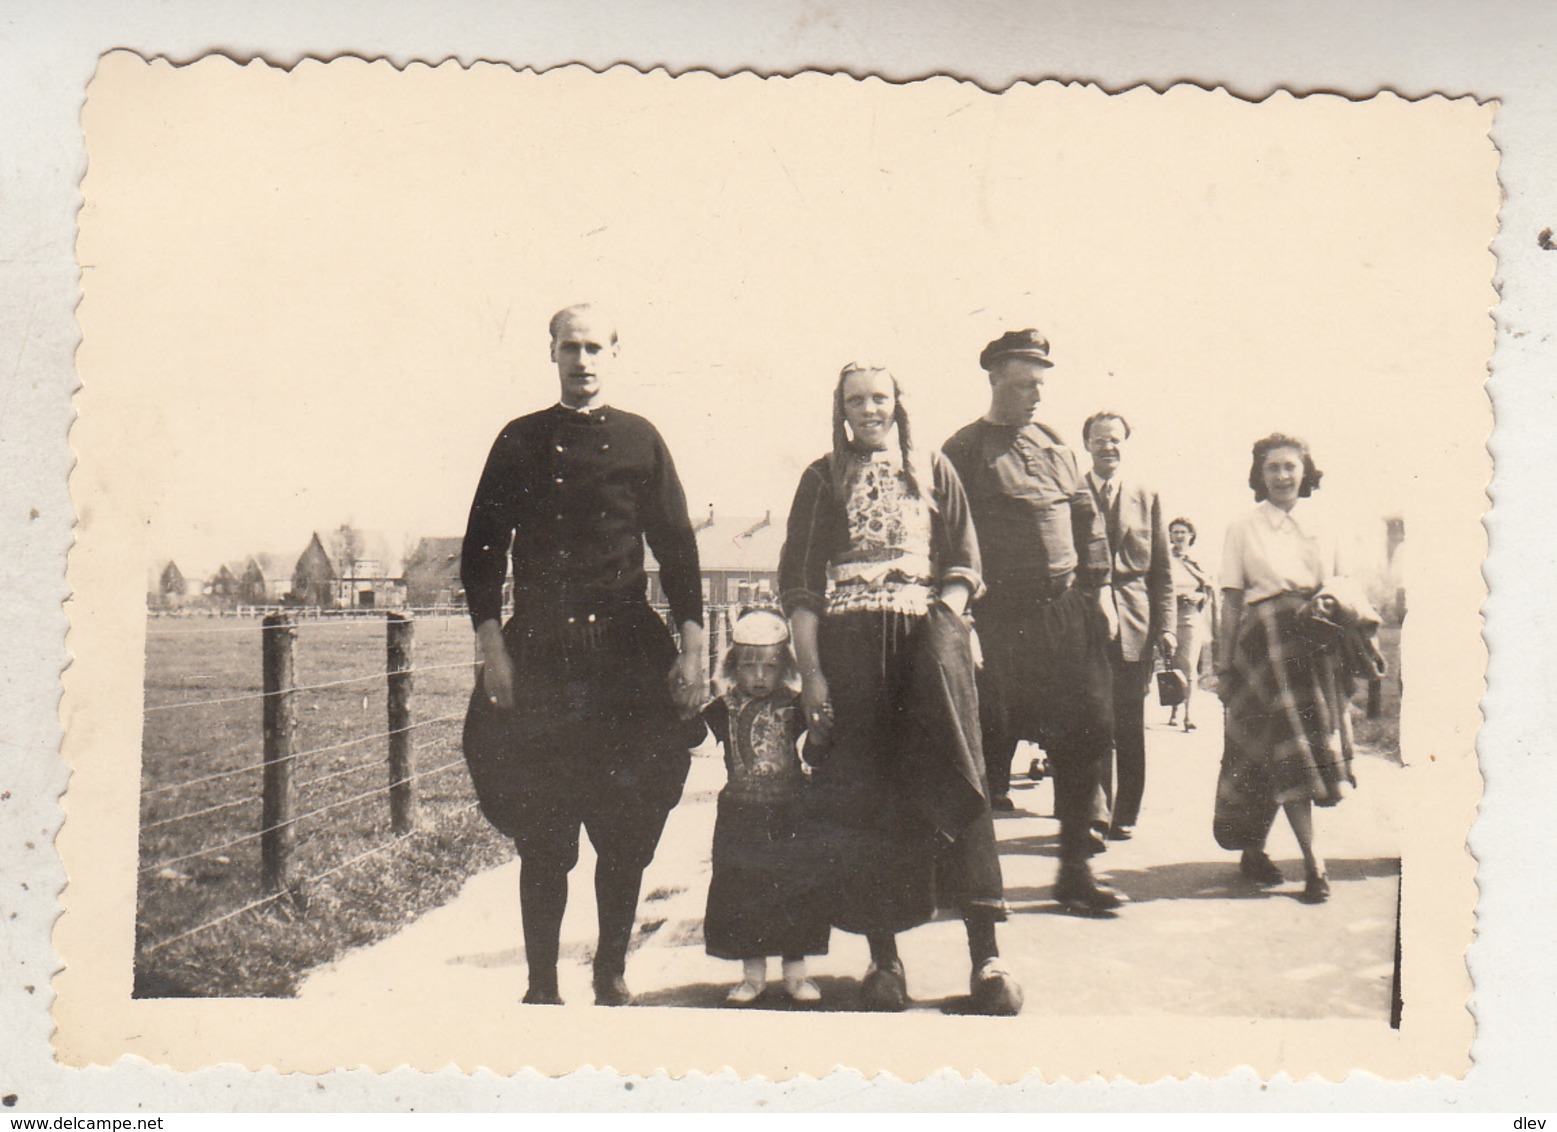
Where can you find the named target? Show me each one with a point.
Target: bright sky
(329, 305)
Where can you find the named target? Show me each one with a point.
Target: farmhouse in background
(432, 573)
(314, 581)
(167, 588)
(739, 555)
(366, 585)
(223, 587)
(265, 580)
(364, 580)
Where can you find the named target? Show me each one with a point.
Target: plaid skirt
(1288, 733)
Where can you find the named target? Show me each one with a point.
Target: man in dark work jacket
(1047, 617)
(578, 717)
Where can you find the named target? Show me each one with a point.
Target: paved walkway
(1194, 940)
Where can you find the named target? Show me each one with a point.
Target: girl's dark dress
(762, 900)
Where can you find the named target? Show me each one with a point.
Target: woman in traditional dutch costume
(878, 566)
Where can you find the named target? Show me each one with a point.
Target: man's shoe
(611, 990)
(884, 989)
(1078, 890)
(1097, 838)
(1121, 832)
(1002, 804)
(542, 996)
(1257, 866)
(995, 991)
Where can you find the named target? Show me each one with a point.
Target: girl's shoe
(744, 993)
(798, 985)
(802, 991)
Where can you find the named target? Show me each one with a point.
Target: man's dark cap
(1016, 343)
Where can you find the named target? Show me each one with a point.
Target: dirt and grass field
(353, 880)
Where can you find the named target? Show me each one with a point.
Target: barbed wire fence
(291, 780)
(288, 797)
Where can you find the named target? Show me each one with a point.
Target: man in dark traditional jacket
(579, 716)
(1047, 617)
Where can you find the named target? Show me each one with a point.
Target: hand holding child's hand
(689, 682)
(816, 702)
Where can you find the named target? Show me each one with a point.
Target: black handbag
(1170, 687)
(1170, 683)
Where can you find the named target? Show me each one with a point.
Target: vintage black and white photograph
(894, 575)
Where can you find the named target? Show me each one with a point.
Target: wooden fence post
(401, 637)
(719, 623)
(277, 638)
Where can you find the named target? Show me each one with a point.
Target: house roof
(737, 543)
(438, 556)
(273, 566)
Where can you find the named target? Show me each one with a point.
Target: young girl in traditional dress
(761, 901)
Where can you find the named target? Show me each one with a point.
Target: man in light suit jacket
(1142, 582)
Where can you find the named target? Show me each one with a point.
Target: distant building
(432, 573)
(739, 556)
(265, 580)
(366, 586)
(224, 587)
(314, 580)
(169, 588)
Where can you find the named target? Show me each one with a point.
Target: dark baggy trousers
(1046, 679)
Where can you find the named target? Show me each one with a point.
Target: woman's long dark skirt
(880, 859)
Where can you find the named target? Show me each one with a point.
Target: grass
(200, 804)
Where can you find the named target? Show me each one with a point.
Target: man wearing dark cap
(1047, 619)
(577, 719)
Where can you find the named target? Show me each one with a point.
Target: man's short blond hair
(566, 314)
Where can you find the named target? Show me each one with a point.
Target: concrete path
(1195, 938)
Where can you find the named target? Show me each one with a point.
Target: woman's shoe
(1188, 726)
(1316, 889)
(995, 990)
(884, 989)
(1255, 865)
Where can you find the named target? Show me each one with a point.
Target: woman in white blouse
(1287, 741)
